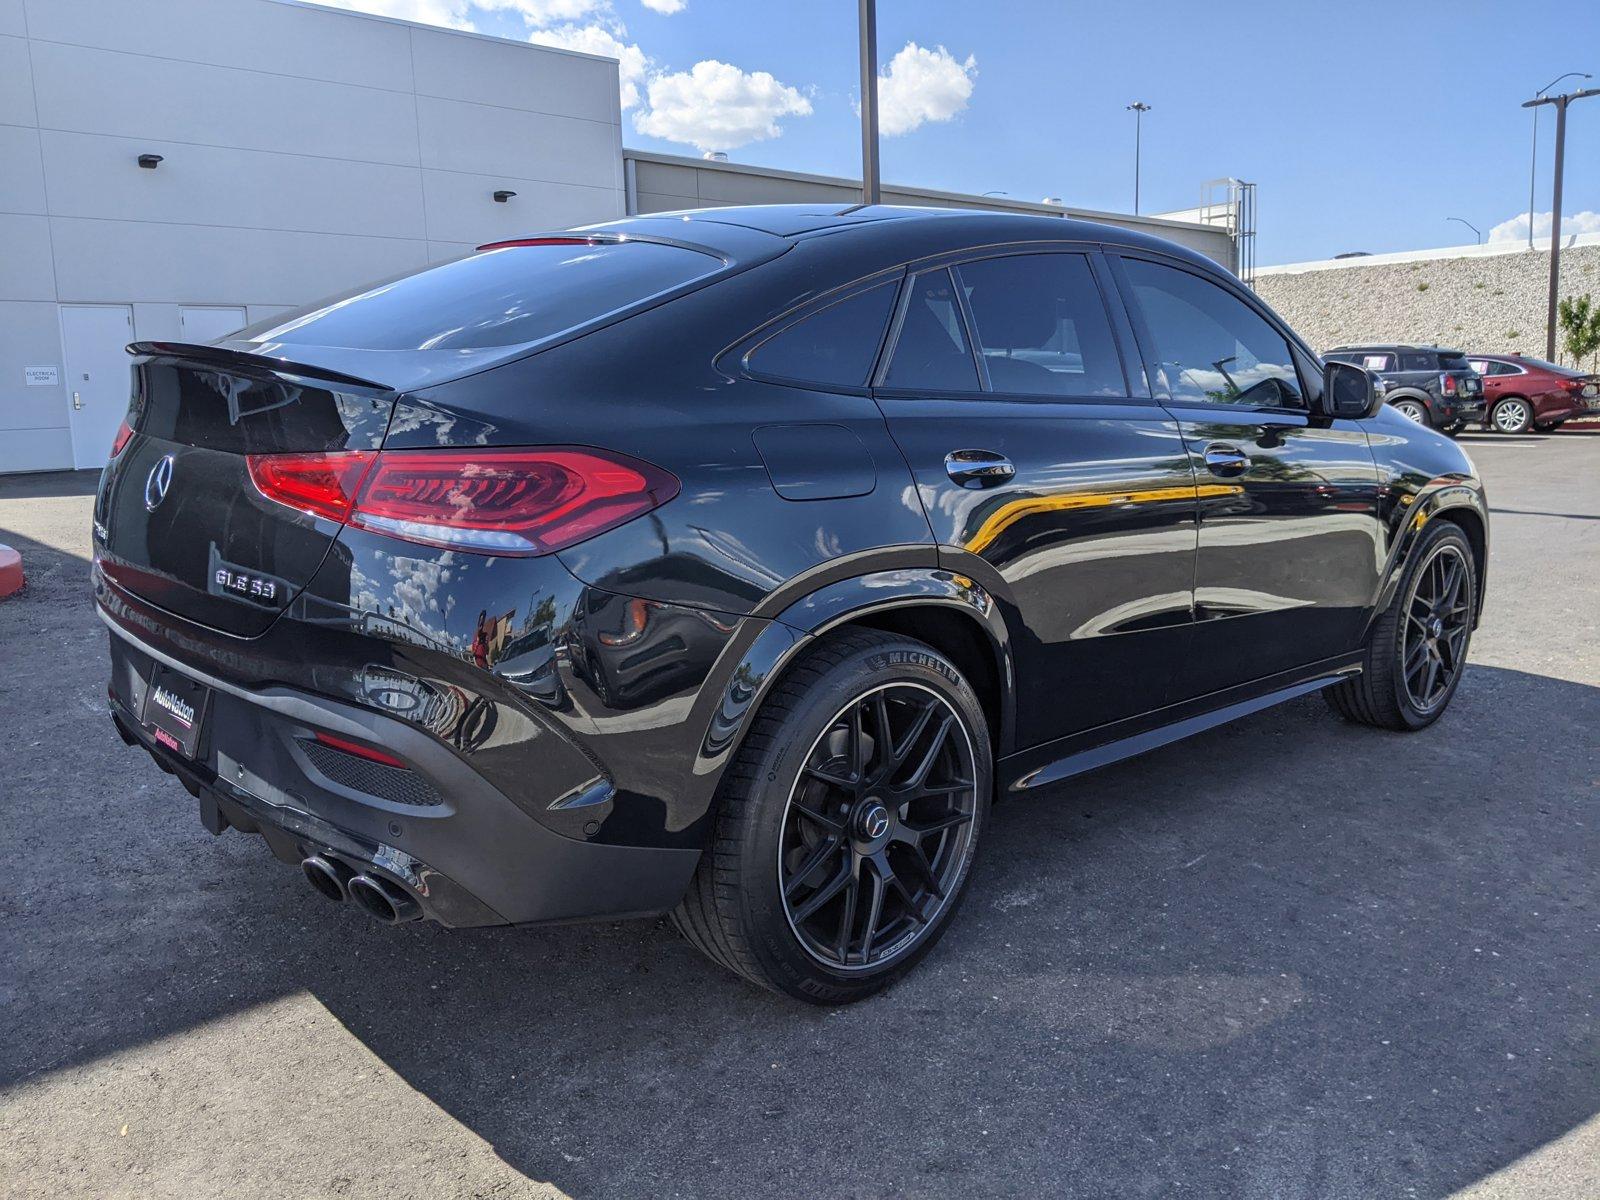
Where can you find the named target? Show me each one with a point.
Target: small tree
(1580, 327)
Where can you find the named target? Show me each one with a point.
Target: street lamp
(1138, 108)
(1561, 103)
(1533, 161)
(1476, 232)
(870, 192)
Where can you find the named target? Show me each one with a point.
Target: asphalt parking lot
(1289, 958)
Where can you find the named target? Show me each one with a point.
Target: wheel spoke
(814, 862)
(847, 918)
(874, 915)
(924, 868)
(1429, 679)
(842, 782)
(835, 885)
(922, 829)
(919, 774)
(833, 824)
(919, 725)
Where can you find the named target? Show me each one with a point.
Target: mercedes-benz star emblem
(875, 821)
(156, 485)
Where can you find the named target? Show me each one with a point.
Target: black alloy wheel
(877, 826)
(847, 823)
(1438, 624)
(1416, 651)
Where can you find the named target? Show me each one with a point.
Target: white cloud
(666, 7)
(922, 85)
(633, 64)
(717, 106)
(1516, 229)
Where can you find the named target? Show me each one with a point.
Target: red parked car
(1522, 393)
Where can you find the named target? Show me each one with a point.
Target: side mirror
(1349, 391)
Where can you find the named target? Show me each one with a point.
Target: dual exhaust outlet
(372, 893)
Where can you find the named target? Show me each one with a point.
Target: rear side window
(932, 353)
(1210, 346)
(833, 347)
(501, 297)
(1418, 362)
(1042, 326)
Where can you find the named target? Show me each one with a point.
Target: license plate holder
(175, 708)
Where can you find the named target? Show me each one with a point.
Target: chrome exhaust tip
(383, 901)
(330, 877)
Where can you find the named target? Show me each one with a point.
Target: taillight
(1447, 384)
(523, 502)
(124, 432)
(1570, 385)
(324, 485)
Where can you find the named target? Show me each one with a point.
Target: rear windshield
(1454, 362)
(508, 296)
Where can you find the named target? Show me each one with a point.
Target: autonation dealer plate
(175, 710)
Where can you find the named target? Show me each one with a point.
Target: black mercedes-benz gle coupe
(732, 564)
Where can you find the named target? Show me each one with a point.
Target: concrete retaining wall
(1489, 299)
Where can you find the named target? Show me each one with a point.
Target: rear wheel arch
(964, 641)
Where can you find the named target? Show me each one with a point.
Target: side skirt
(1106, 744)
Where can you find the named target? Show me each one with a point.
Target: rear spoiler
(221, 356)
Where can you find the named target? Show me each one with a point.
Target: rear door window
(932, 352)
(1042, 327)
(506, 296)
(1378, 362)
(833, 347)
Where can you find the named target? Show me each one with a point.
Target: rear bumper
(465, 852)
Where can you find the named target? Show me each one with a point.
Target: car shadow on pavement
(1287, 957)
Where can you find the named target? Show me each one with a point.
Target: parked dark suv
(730, 564)
(1426, 384)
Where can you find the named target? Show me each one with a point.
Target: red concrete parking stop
(10, 572)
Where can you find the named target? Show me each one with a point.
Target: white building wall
(305, 151)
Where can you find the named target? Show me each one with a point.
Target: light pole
(1138, 108)
(1476, 232)
(1533, 160)
(1561, 103)
(870, 191)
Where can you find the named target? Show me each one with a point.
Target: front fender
(1414, 508)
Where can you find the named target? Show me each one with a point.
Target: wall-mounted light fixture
(502, 196)
(149, 161)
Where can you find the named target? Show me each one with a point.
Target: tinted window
(932, 353)
(1418, 362)
(1376, 362)
(1211, 347)
(1042, 327)
(503, 297)
(834, 346)
(1453, 362)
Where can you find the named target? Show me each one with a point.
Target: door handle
(1223, 459)
(978, 468)
(77, 400)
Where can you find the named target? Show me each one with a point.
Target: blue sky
(1364, 125)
